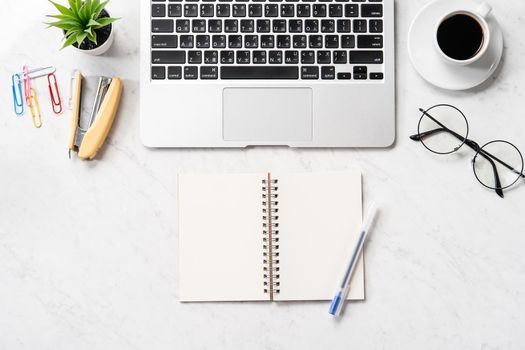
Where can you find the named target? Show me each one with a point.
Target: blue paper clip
(18, 98)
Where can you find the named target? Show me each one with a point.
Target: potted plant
(86, 25)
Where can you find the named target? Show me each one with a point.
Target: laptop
(239, 73)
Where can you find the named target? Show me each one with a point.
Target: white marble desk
(88, 251)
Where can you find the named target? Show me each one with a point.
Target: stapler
(94, 103)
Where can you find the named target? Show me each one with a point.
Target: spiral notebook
(267, 237)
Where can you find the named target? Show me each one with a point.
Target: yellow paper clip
(34, 107)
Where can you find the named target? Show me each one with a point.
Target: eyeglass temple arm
(472, 144)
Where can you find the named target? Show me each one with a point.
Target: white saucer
(427, 60)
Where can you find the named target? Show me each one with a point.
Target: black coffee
(460, 37)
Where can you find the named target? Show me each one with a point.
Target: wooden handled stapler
(94, 103)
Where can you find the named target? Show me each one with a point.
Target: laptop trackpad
(267, 114)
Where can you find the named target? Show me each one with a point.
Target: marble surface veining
(88, 251)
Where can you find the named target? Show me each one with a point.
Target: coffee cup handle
(484, 10)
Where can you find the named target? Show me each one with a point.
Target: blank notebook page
(220, 244)
(221, 236)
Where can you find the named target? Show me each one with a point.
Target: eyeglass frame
(473, 145)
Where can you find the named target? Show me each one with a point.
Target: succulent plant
(81, 20)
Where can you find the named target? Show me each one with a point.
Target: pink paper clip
(54, 93)
(27, 86)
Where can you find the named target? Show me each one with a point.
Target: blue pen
(344, 287)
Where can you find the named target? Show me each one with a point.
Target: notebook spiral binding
(270, 211)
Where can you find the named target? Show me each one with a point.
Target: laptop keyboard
(267, 39)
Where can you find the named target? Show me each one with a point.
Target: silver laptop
(238, 73)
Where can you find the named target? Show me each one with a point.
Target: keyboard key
(227, 57)
(190, 72)
(279, 25)
(234, 41)
(195, 57)
(243, 57)
(260, 72)
(202, 41)
(207, 10)
(310, 72)
(251, 41)
(218, 41)
(376, 26)
(351, 10)
(360, 26)
(186, 41)
(214, 25)
(370, 41)
(308, 57)
(371, 10)
(247, 26)
(223, 10)
(239, 10)
(275, 57)
(283, 41)
(366, 57)
(299, 41)
(291, 57)
(182, 25)
(311, 25)
(267, 42)
(340, 57)
(209, 73)
(319, 10)
(259, 57)
(287, 10)
(331, 41)
(198, 26)
(263, 26)
(303, 10)
(343, 26)
(376, 76)
(344, 76)
(324, 57)
(360, 76)
(168, 57)
(328, 72)
(211, 57)
(360, 69)
(158, 10)
(174, 72)
(315, 41)
(335, 10)
(271, 10)
(191, 10)
(295, 25)
(164, 41)
(175, 10)
(231, 25)
(327, 26)
(158, 73)
(348, 41)
(255, 10)
(162, 26)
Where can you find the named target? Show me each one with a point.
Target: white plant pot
(102, 48)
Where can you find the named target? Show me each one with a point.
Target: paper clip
(54, 93)
(18, 97)
(35, 110)
(27, 86)
(36, 73)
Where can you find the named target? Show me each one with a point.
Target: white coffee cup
(480, 15)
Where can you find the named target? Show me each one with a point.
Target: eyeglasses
(444, 129)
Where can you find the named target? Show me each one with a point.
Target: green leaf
(62, 9)
(69, 41)
(93, 23)
(106, 21)
(99, 8)
(80, 38)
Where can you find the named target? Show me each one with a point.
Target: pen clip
(54, 93)
(35, 110)
(18, 97)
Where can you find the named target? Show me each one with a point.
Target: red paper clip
(54, 93)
